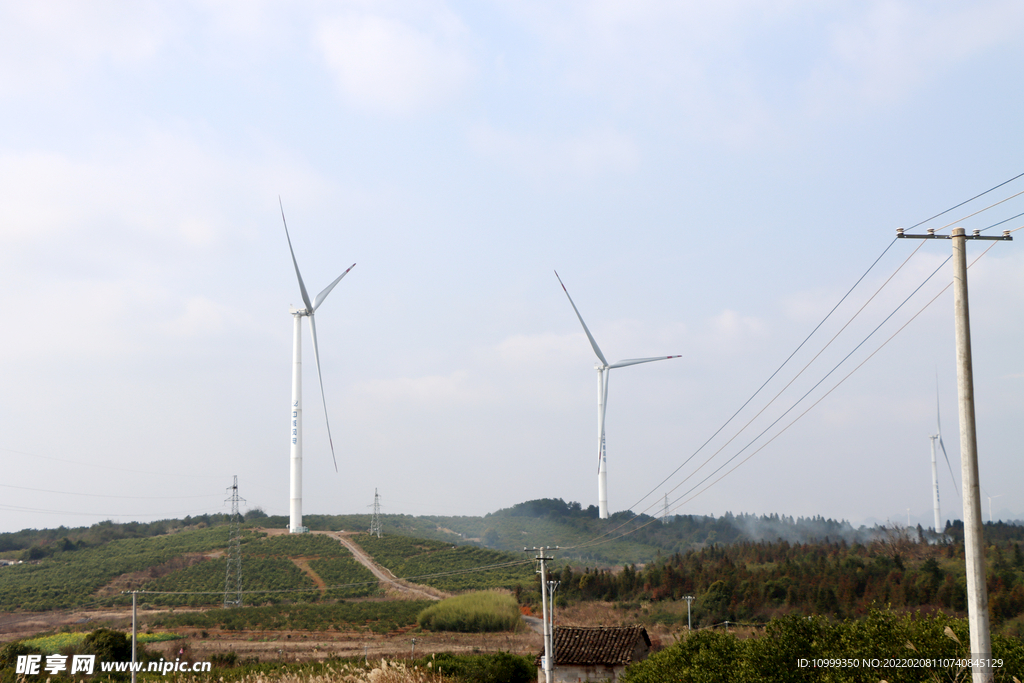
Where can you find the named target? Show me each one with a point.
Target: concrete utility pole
(549, 663)
(977, 591)
(135, 630)
(689, 621)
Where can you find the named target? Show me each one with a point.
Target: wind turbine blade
(635, 361)
(946, 455)
(302, 285)
(319, 376)
(327, 290)
(593, 343)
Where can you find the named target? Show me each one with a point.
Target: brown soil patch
(295, 645)
(135, 580)
(303, 564)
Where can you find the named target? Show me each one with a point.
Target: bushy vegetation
(268, 570)
(205, 583)
(757, 581)
(36, 544)
(634, 538)
(61, 642)
(712, 656)
(379, 617)
(501, 667)
(106, 644)
(444, 566)
(71, 578)
(480, 612)
(355, 579)
(298, 545)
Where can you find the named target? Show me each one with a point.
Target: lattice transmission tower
(233, 576)
(375, 523)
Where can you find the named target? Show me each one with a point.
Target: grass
(59, 642)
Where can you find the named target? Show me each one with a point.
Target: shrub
(501, 667)
(472, 613)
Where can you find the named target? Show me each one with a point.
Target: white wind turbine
(935, 474)
(603, 369)
(990, 503)
(295, 507)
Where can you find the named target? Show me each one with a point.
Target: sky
(708, 179)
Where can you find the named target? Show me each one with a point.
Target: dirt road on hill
(391, 583)
(393, 586)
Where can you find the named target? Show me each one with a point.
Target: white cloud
(200, 317)
(893, 48)
(730, 327)
(745, 71)
(388, 65)
(437, 391)
(592, 153)
(48, 46)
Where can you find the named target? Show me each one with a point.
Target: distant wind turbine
(990, 504)
(603, 369)
(935, 475)
(295, 507)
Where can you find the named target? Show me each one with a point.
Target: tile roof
(599, 645)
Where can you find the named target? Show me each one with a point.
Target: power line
(967, 201)
(779, 393)
(678, 502)
(727, 422)
(979, 211)
(101, 495)
(109, 467)
(770, 378)
(18, 508)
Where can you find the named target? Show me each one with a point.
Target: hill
(625, 538)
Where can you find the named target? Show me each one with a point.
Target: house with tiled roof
(595, 654)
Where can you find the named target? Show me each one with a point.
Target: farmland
(448, 567)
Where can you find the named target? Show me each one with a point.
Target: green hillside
(624, 538)
(188, 568)
(664, 559)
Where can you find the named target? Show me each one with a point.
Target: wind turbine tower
(603, 368)
(295, 487)
(935, 487)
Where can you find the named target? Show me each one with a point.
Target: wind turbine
(295, 507)
(935, 475)
(990, 504)
(603, 368)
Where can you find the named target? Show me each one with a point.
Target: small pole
(552, 587)
(689, 620)
(548, 663)
(134, 630)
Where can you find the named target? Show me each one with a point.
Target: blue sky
(708, 180)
